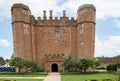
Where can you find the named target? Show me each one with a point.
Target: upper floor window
(81, 43)
(81, 28)
(24, 11)
(57, 31)
(26, 30)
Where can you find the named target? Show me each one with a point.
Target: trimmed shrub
(108, 80)
(100, 80)
(112, 67)
(118, 65)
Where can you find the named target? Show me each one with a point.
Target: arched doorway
(54, 68)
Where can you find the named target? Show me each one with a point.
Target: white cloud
(4, 43)
(105, 8)
(107, 47)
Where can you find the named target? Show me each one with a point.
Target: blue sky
(107, 22)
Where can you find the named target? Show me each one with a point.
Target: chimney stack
(50, 15)
(64, 13)
(44, 15)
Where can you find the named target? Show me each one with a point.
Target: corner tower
(21, 18)
(86, 31)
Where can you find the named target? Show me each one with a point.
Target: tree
(68, 63)
(84, 64)
(79, 65)
(95, 63)
(31, 65)
(2, 61)
(7, 60)
(24, 64)
(17, 62)
(118, 56)
(12, 56)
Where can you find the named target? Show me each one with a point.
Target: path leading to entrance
(53, 77)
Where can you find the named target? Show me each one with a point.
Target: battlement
(19, 5)
(55, 18)
(23, 14)
(86, 6)
(55, 21)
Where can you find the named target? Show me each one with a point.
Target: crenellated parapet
(22, 14)
(86, 13)
(50, 57)
(55, 21)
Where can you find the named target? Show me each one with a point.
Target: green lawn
(22, 79)
(83, 77)
(22, 75)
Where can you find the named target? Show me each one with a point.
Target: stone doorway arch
(54, 67)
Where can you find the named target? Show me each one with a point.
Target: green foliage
(112, 67)
(2, 61)
(118, 56)
(118, 65)
(20, 63)
(7, 60)
(17, 62)
(31, 65)
(100, 80)
(85, 63)
(68, 63)
(95, 63)
(12, 56)
(80, 65)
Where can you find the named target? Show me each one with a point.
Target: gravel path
(53, 77)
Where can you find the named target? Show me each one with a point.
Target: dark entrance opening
(54, 68)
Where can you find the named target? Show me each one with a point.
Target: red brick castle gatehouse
(48, 40)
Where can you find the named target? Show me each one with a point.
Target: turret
(86, 31)
(20, 12)
(21, 18)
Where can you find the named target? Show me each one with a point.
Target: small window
(24, 11)
(81, 43)
(26, 30)
(81, 28)
(57, 31)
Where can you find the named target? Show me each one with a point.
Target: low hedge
(7, 69)
(9, 80)
(101, 80)
(113, 67)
